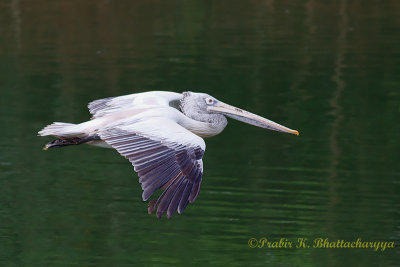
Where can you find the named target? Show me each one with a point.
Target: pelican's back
(106, 106)
(109, 110)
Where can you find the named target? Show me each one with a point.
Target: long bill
(248, 117)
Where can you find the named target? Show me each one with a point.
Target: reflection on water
(329, 70)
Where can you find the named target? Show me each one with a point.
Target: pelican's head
(196, 105)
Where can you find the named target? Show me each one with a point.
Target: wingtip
(159, 214)
(152, 205)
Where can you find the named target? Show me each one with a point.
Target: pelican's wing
(102, 107)
(165, 155)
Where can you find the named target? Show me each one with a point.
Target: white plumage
(164, 145)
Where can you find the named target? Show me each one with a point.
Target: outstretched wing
(166, 156)
(102, 107)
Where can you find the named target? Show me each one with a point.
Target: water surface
(329, 69)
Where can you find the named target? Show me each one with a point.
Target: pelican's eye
(209, 101)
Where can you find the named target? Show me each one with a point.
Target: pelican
(161, 134)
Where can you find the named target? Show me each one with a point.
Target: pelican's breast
(201, 128)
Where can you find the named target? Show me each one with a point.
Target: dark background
(329, 69)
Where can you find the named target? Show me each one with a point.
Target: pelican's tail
(67, 134)
(61, 129)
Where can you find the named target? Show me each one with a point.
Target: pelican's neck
(205, 125)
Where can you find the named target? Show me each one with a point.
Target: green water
(330, 69)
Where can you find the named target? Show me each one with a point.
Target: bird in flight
(161, 134)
